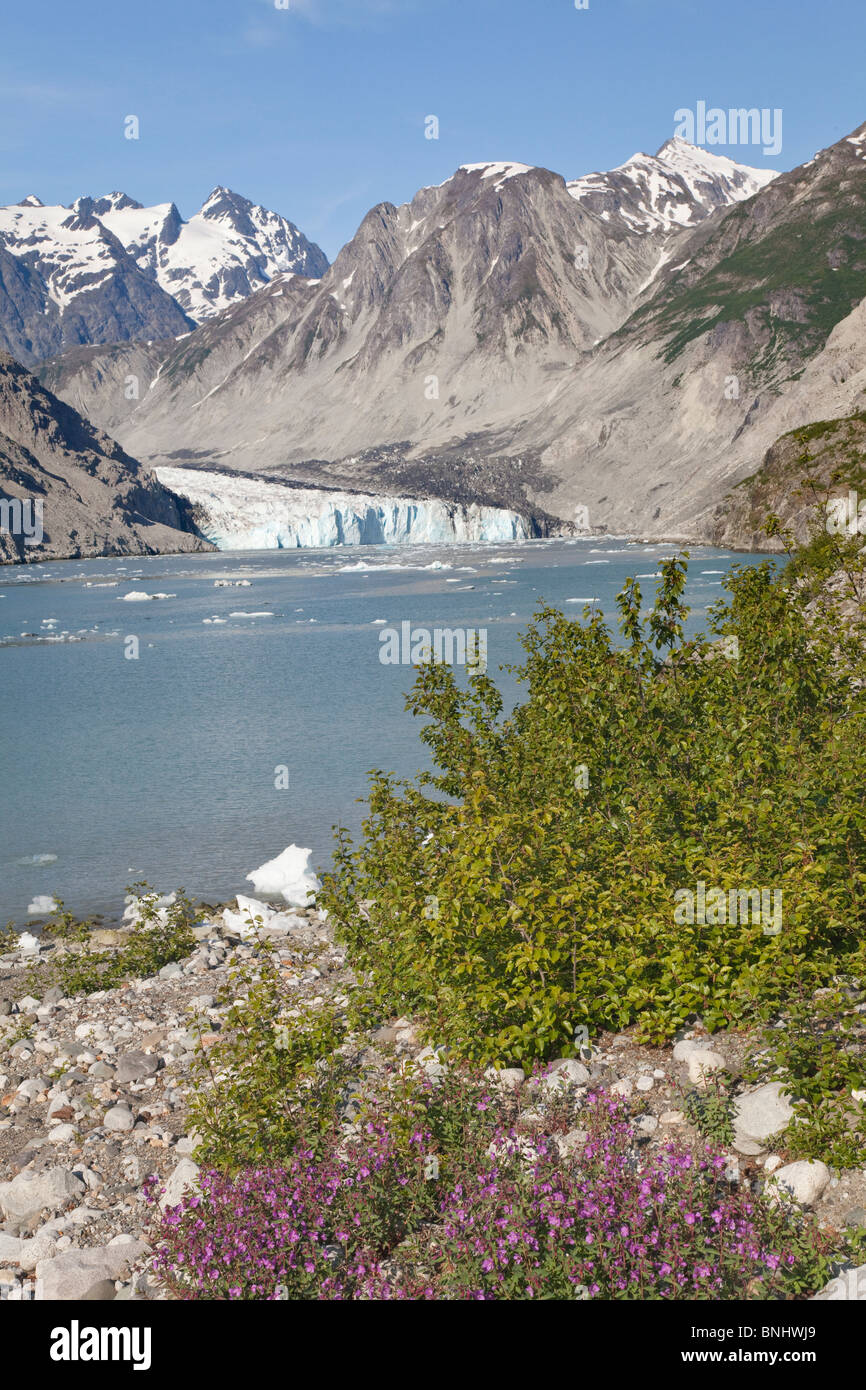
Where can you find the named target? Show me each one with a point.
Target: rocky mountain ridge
(67, 491)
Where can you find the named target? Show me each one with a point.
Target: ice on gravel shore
(289, 875)
(244, 922)
(133, 912)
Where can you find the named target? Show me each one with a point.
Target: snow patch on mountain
(228, 249)
(677, 187)
(238, 513)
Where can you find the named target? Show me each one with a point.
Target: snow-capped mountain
(499, 340)
(678, 186)
(228, 249)
(65, 279)
(109, 270)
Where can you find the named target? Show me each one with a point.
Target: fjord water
(166, 767)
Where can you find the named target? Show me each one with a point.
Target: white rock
(509, 1078)
(772, 1163)
(567, 1071)
(184, 1179)
(804, 1181)
(645, 1083)
(119, 1119)
(684, 1049)
(703, 1064)
(622, 1088)
(32, 1087)
(62, 1134)
(849, 1285)
(764, 1112)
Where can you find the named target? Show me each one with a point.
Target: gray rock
(750, 1148)
(762, 1113)
(170, 972)
(101, 1070)
(31, 1193)
(101, 1292)
(856, 1217)
(571, 1143)
(119, 1119)
(566, 1071)
(71, 1275)
(135, 1066)
(10, 1249)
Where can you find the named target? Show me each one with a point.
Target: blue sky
(318, 110)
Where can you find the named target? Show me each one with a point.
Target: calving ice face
(77, 1343)
(413, 646)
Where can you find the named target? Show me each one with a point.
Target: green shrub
(274, 1077)
(509, 904)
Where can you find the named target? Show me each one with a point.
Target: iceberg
(289, 875)
(41, 906)
(240, 513)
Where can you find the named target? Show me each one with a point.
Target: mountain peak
(31, 201)
(115, 202)
(678, 186)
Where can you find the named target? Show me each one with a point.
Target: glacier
(240, 513)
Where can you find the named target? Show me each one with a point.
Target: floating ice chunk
(379, 622)
(36, 860)
(41, 905)
(139, 596)
(289, 875)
